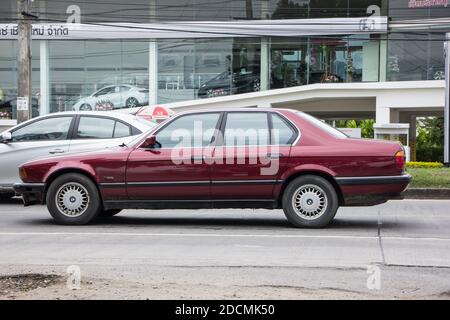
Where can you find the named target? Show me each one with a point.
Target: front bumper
(32, 193)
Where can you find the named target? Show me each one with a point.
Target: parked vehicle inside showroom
(10, 107)
(233, 158)
(61, 133)
(245, 79)
(113, 97)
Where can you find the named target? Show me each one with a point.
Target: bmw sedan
(231, 158)
(61, 133)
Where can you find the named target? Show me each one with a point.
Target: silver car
(113, 97)
(60, 133)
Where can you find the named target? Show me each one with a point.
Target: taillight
(400, 159)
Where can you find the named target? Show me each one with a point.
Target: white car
(60, 133)
(115, 97)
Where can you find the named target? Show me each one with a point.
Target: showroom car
(61, 133)
(113, 97)
(212, 159)
(243, 80)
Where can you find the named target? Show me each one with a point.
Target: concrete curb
(427, 193)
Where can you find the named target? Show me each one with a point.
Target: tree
(430, 139)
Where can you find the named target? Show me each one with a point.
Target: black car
(10, 106)
(241, 81)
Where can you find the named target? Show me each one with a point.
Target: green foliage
(429, 178)
(430, 139)
(429, 165)
(365, 125)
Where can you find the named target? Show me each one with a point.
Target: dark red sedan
(235, 158)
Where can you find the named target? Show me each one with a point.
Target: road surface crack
(380, 240)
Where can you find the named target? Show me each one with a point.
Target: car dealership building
(337, 59)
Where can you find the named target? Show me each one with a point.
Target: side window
(47, 129)
(246, 129)
(282, 133)
(104, 91)
(194, 130)
(95, 128)
(124, 88)
(121, 130)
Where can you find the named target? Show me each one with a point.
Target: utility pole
(23, 60)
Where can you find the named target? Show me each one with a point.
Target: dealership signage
(428, 3)
(202, 29)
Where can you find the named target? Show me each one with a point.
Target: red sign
(427, 3)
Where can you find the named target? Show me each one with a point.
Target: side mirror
(5, 137)
(149, 142)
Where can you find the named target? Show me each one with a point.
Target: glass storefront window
(98, 75)
(298, 61)
(8, 79)
(415, 57)
(205, 68)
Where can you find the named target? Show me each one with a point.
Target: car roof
(129, 118)
(233, 110)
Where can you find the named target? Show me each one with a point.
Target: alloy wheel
(310, 202)
(72, 199)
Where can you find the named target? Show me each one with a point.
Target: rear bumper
(32, 193)
(367, 191)
(377, 180)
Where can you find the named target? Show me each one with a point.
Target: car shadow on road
(209, 223)
(15, 200)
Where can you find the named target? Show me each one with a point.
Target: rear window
(324, 126)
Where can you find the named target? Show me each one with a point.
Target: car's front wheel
(310, 201)
(73, 199)
(85, 107)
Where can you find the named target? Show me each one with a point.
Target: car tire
(73, 199)
(310, 201)
(85, 107)
(109, 213)
(132, 102)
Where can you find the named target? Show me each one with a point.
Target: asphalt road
(225, 254)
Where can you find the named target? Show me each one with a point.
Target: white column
(44, 92)
(383, 60)
(153, 72)
(265, 64)
(382, 115)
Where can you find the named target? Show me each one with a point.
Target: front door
(175, 170)
(38, 139)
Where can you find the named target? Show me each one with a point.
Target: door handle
(55, 151)
(274, 155)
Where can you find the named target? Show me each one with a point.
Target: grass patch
(429, 178)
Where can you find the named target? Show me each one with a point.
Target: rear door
(251, 157)
(41, 138)
(97, 132)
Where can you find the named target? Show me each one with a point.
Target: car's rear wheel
(73, 199)
(132, 102)
(109, 213)
(310, 201)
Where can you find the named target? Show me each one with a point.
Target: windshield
(323, 125)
